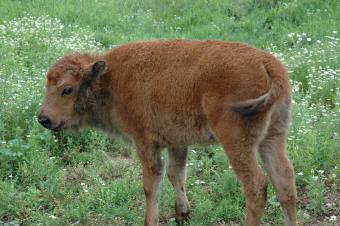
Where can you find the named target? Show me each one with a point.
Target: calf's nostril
(45, 121)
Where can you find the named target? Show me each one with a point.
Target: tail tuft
(251, 107)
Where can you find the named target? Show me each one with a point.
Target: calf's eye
(67, 91)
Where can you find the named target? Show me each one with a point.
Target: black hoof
(182, 218)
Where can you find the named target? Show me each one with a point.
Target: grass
(90, 179)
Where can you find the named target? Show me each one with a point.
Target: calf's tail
(278, 78)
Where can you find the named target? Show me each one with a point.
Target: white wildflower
(330, 205)
(199, 182)
(306, 215)
(333, 218)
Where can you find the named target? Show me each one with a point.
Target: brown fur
(177, 93)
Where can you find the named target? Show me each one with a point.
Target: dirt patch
(329, 214)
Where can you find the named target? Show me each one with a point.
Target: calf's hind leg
(241, 154)
(177, 176)
(280, 170)
(274, 156)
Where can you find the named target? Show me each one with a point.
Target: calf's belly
(188, 136)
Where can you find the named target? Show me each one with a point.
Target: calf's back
(159, 87)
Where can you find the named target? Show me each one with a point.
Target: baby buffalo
(175, 93)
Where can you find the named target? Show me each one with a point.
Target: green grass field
(89, 179)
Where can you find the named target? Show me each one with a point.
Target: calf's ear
(91, 74)
(94, 72)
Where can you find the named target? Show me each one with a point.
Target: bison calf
(178, 93)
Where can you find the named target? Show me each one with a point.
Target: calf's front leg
(149, 155)
(177, 175)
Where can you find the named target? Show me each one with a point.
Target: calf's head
(69, 91)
